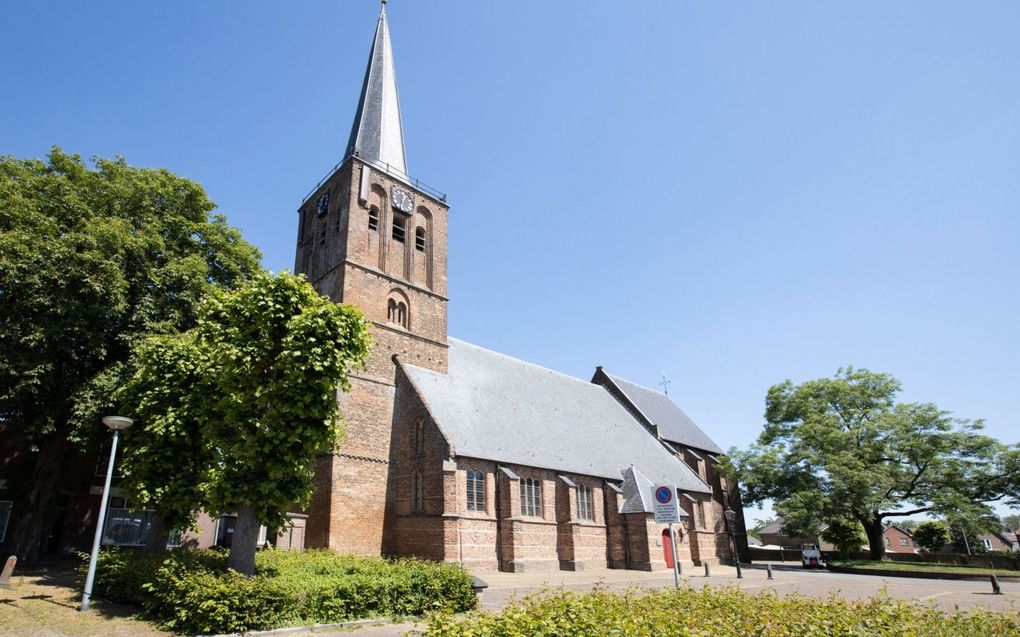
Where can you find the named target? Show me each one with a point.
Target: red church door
(667, 549)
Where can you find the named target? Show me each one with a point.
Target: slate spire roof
(378, 134)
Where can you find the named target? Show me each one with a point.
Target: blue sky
(732, 194)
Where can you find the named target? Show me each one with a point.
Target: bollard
(5, 576)
(478, 586)
(768, 568)
(707, 574)
(995, 585)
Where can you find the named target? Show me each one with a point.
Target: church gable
(661, 415)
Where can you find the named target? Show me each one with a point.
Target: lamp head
(117, 423)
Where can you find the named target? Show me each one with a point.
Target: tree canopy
(245, 400)
(932, 535)
(844, 447)
(92, 259)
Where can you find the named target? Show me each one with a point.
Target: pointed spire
(378, 135)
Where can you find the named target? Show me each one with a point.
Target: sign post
(667, 511)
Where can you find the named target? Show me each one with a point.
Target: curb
(922, 574)
(313, 628)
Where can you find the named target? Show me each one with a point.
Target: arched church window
(475, 491)
(373, 218)
(398, 229)
(531, 497)
(419, 438)
(419, 239)
(397, 313)
(417, 492)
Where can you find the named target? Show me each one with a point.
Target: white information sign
(667, 509)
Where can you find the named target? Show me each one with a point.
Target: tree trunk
(33, 524)
(155, 541)
(876, 538)
(242, 546)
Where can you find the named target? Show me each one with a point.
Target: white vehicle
(811, 557)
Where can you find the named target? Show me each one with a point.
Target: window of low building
(531, 497)
(475, 491)
(125, 525)
(225, 529)
(225, 526)
(904, 541)
(585, 503)
(988, 544)
(417, 492)
(5, 517)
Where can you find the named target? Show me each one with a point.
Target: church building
(454, 452)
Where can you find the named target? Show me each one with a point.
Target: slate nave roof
(494, 407)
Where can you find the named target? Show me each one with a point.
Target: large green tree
(843, 447)
(247, 399)
(932, 535)
(92, 259)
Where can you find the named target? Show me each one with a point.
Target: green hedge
(726, 612)
(191, 591)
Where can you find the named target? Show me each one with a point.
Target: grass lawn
(45, 603)
(925, 567)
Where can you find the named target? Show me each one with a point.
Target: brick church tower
(372, 237)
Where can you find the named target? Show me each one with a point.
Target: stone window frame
(475, 490)
(585, 503)
(417, 492)
(531, 497)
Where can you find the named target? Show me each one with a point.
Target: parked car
(811, 557)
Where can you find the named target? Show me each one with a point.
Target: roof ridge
(522, 361)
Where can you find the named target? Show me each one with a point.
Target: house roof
(495, 407)
(674, 425)
(775, 526)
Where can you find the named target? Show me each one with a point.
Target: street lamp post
(117, 424)
(731, 516)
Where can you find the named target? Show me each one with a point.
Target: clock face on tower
(322, 205)
(402, 200)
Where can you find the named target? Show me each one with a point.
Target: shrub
(726, 612)
(191, 591)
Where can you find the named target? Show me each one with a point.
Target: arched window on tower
(397, 312)
(419, 239)
(373, 218)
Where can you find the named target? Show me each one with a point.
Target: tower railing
(384, 167)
